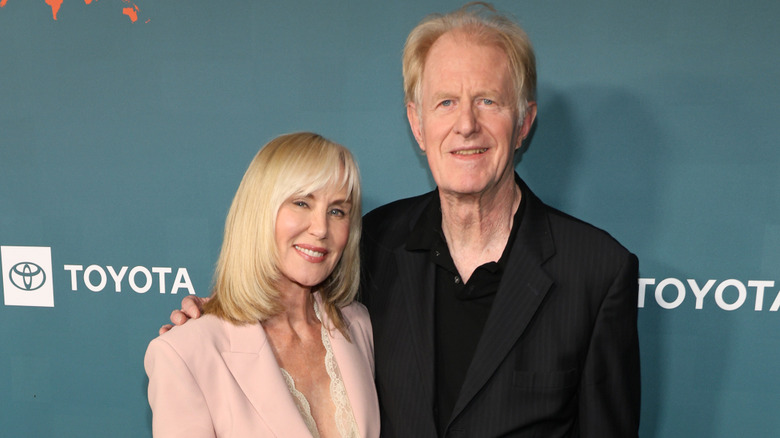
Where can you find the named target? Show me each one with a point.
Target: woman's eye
(337, 212)
(300, 203)
(447, 102)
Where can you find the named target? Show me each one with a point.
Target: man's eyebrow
(442, 95)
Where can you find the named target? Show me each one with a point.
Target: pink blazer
(210, 378)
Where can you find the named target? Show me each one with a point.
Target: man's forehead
(485, 66)
(453, 49)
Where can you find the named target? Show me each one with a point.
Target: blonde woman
(283, 349)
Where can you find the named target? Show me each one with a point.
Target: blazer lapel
(416, 284)
(355, 373)
(522, 289)
(253, 365)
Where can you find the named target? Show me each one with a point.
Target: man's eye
(487, 101)
(446, 102)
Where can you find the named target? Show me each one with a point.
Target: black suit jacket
(559, 354)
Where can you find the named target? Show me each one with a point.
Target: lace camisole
(345, 419)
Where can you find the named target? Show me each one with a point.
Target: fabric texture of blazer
(211, 378)
(559, 353)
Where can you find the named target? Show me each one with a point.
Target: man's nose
(467, 122)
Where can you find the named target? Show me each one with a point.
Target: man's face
(467, 121)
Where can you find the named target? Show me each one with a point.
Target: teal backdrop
(125, 130)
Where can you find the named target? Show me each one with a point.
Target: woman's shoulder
(195, 334)
(358, 323)
(356, 312)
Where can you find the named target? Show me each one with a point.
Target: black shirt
(460, 310)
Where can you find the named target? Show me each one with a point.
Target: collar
(427, 233)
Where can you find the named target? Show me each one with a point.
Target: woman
(282, 350)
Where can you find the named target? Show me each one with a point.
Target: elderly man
(493, 313)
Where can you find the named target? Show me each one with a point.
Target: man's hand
(191, 307)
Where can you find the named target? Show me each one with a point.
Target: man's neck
(477, 227)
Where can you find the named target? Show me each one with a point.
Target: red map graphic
(131, 10)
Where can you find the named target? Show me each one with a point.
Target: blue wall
(122, 143)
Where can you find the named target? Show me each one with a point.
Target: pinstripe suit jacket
(559, 354)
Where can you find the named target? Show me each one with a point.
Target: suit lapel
(253, 365)
(523, 287)
(416, 283)
(356, 375)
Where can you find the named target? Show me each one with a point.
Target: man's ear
(527, 123)
(415, 124)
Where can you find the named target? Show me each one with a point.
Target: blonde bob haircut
(479, 23)
(247, 270)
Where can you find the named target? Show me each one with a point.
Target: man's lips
(471, 151)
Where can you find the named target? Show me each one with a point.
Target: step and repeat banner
(125, 128)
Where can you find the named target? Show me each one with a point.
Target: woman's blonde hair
(247, 270)
(479, 22)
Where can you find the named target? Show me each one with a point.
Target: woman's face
(311, 233)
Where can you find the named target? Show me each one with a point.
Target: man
(493, 313)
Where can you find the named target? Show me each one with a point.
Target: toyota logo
(27, 276)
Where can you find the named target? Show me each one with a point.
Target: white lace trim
(345, 418)
(301, 403)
